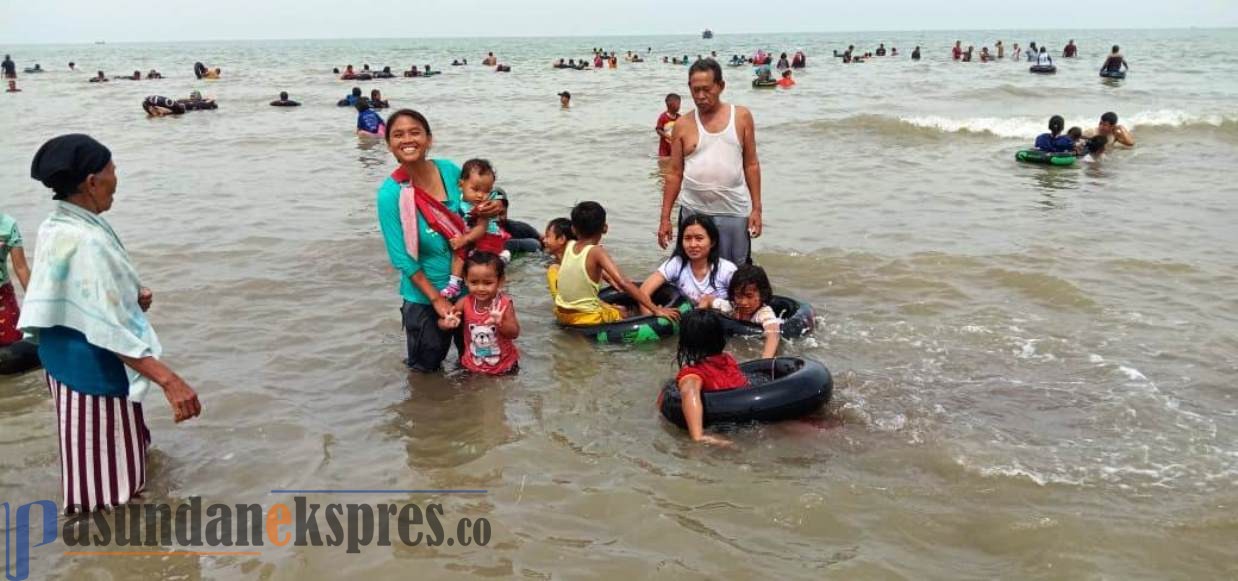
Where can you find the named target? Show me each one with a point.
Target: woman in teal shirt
(421, 276)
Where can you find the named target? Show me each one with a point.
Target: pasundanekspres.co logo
(192, 529)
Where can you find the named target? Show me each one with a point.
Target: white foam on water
(1028, 127)
(1094, 358)
(1132, 373)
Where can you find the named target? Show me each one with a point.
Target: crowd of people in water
(447, 234)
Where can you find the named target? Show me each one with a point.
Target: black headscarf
(63, 163)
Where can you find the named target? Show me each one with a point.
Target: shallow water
(1033, 366)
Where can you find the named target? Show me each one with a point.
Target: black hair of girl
(711, 229)
(477, 166)
(482, 258)
(700, 336)
(411, 114)
(562, 227)
(751, 274)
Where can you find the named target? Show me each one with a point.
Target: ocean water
(1034, 366)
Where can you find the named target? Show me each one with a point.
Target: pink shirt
(485, 349)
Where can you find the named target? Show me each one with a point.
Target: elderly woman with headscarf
(85, 307)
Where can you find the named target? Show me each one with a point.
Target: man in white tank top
(714, 168)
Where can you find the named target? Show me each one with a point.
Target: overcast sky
(67, 21)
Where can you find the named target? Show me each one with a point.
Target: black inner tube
(19, 357)
(779, 389)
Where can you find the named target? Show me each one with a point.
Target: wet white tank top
(713, 174)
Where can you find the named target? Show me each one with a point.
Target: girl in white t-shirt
(695, 268)
(750, 295)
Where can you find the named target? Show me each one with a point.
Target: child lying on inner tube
(704, 366)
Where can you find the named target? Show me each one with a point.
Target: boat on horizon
(708, 34)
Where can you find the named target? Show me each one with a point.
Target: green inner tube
(644, 329)
(1045, 158)
(759, 84)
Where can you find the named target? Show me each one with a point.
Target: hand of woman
(145, 296)
(489, 209)
(183, 399)
(441, 306)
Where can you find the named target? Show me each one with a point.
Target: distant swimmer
(957, 51)
(136, 76)
(384, 74)
(376, 100)
(1071, 51)
(881, 50)
(565, 100)
(490, 60)
(284, 101)
(153, 75)
(9, 67)
(1001, 50)
(214, 73)
(99, 78)
(1115, 63)
(196, 102)
(199, 70)
(1043, 59)
(429, 73)
(915, 54)
(666, 125)
(786, 82)
(369, 124)
(72, 66)
(967, 55)
(1032, 52)
(984, 54)
(783, 63)
(894, 51)
(158, 106)
(351, 99)
(1054, 141)
(1111, 131)
(503, 69)
(1094, 149)
(37, 68)
(799, 61)
(13, 87)
(1016, 53)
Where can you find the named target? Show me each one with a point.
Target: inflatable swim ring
(525, 239)
(198, 105)
(797, 317)
(1043, 69)
(641, 329)
(199, 70)
(759, 84)
(1045, 158)
(779, 389)
(19, 357)
(1113, 74)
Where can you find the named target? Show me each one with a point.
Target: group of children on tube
(716, 287)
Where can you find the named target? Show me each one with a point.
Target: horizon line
(602, 35)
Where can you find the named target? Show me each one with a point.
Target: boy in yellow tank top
(583, 265)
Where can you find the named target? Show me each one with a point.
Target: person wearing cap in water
(85, 308)
(565, 100)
